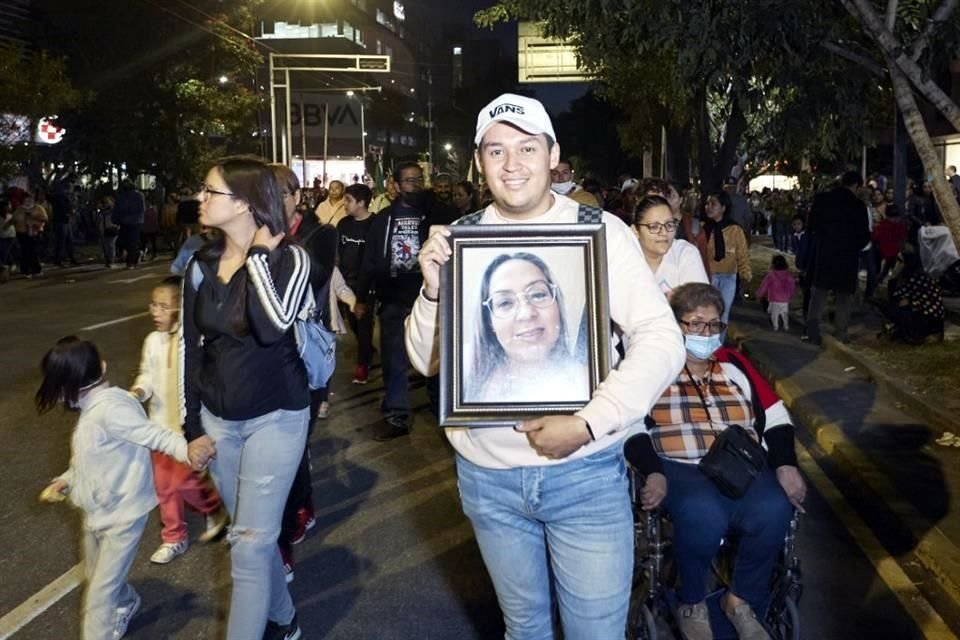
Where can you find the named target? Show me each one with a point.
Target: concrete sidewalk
(871, 432)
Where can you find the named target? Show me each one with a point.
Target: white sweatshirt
(654, 358)
(158, 378)
(680, 265)
(110, 476)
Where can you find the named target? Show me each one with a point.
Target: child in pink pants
(778, 287)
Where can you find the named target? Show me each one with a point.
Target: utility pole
(430, 118)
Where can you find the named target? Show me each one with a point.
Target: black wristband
(590, 431)
(423, 292)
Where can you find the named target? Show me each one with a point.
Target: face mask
(562, 187)
(702, 347)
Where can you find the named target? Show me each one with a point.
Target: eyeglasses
(505, 305)
(697, 326)
(162, 308)
(657, 227)
(412, 180)
(207, 189)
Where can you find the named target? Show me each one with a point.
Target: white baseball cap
(522, 112)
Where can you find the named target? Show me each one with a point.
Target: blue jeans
(396, 364)
(108, 554)
(702, 516)
(570, 525)
(253, 470)
(726, 283)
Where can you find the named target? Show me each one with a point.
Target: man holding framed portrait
(549, 496)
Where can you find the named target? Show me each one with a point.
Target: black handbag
(733, 461)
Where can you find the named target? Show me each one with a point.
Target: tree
(32, 86)
(174, 84)
(728, 74)
(913, 36)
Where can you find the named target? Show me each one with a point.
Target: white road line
(117, 321)
(40, 602)
(131, 280)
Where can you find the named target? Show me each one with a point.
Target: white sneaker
(216, 521)
(124, 615)
(167, 551)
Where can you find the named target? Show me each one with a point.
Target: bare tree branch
(940, 16)
(863, 11)
(856, 58)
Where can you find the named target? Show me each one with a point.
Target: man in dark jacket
(128, 212)
(840, 229)
(391, 272)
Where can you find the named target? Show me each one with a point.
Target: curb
(937, 553)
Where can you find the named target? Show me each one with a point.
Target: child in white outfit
(109, 477)
(176, 483)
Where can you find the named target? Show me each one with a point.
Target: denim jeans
(702, 516)
(726, 283)
(568, 524)
(393, 354)
(253, 470)
(108, 554)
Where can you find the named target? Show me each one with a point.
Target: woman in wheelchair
(717, 388)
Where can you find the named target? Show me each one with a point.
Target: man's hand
(56, 491)
(263, 238)
(200, 452)
(793, 485)
(434, 253)
(360, 310)
(653, 492)
(555, 437)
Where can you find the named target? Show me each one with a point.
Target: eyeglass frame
(720, 324)
(525, 298)
(161, 307)
(660, 226)
(205, 189)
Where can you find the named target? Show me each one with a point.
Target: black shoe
(394, 427)
(276, 631)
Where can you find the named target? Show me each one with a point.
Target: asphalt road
(392, 555)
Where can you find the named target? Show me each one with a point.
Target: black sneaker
(276, 631)
(394, 427)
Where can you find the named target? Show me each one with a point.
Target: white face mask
(563, 187)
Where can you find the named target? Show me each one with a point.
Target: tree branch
(939, 17)
(863, 11)
(856, 58)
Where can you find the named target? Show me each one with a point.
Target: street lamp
(223, 79)
(363, 126)
(448, 147)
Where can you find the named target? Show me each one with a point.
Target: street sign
(542, 59)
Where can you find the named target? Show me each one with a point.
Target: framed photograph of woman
(524, 322)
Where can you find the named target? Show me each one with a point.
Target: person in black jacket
(390, 271)
(243, 384)
(840, 229)
(128, 213)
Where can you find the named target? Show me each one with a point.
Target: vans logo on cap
(506, 108)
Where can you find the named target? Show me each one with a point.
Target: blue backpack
(316, 344)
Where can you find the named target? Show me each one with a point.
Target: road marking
(117, 321)
(131, 280)
(917, 607)
(40, 601)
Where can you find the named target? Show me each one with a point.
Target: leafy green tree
(33, 85)
(174, 83)
(732, 76)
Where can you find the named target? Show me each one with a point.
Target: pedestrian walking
(176, 484)
(838, 222)
(353, 231)
(548, 499)
(727, 249)
(109, 477)
(29, 219)
(244, 386)
(128, 213)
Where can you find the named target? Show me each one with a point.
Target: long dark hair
(488, 354)
(254, 181)
(71, 365)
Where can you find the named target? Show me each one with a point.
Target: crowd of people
(227, 391)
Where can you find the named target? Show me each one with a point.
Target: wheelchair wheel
(641, 625)
(787, 624)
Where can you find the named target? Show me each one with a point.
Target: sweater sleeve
(275, 290)
(189, 338)
(764, 286)
(144, 379)
(371, 254)
(744, 269)
(126, 420)
(422, 336)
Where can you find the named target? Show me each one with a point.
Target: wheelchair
(653, 601)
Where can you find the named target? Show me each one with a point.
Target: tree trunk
(714, 167)
(932, 165)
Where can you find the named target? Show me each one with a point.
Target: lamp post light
(363, 127)
(223, 79)
(448, 147)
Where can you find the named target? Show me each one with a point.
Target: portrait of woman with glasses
(673, 262)
(521, 351)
